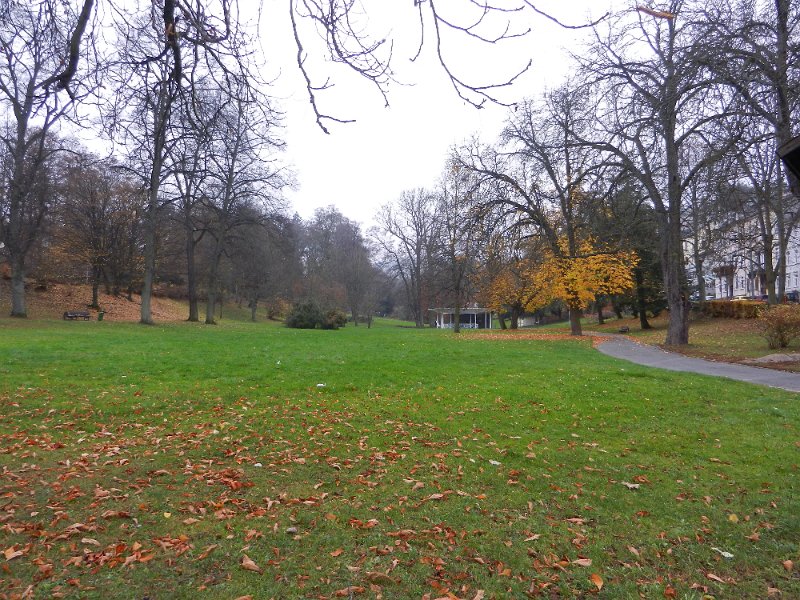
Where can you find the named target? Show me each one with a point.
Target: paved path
(650, 356)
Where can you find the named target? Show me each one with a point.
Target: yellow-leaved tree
(578, 278)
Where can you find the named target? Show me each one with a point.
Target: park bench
(624, 329)
(73, 315)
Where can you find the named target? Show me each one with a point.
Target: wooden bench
(74, 315)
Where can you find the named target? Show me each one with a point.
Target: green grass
(384, 462)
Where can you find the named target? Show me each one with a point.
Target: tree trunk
(641, 299)
(457, 321)
(211, 300)
(575, 322)
(617, 309)
(502, 321)
(191, 274)
(18, 287)
(95, 288)
(514, 317)
(146, 317)
(599, 303)
(675, 284)
(253, 307)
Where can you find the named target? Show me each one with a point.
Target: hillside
(50, 303)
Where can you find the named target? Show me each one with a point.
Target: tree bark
(191, 273)
(213, 271)
(95, 288)
(641, 300)
(575, 322)
(146, 315)
(18, 287)
(253, 307)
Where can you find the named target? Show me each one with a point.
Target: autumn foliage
(578, 279)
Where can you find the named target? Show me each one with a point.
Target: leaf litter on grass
(351, 502)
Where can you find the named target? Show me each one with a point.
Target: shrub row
(733, 309)
(780, 324)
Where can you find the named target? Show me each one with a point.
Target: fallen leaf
(349, 591)
(583, 562)
(733, 518)
(12, 553)
(207, 550)
(90, 541)
(248, 564)
(378, 578)
(788, 565)
(337, 552)
(631, 486)
(713, 577)
(597, 580)
(479, 595)
(633, 551)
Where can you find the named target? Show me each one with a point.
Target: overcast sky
(363, 165)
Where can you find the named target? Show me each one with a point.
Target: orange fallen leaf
(248, 564)
(716, 578)
(337, 552)
(597, 581)
(208, 550)
(788, 565)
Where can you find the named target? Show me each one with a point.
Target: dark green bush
(334, 319)
(733, 309)
(309, 316)
(304, 316)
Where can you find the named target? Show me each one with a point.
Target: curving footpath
(642, 354)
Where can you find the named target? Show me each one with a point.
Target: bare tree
(542, 172)
(447, 28)
(755, 43)
(242, 180)
(36, 92)
(457, 246)
(659, 98)
(406, 235)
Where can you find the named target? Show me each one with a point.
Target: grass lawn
(181, 461)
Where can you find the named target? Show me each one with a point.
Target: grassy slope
(426, 463)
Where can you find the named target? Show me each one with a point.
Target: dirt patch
(52, 301)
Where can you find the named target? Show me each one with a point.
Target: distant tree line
(665, 129)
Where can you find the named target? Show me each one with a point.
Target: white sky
(366, 164)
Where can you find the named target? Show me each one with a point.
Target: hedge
(733, 309)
